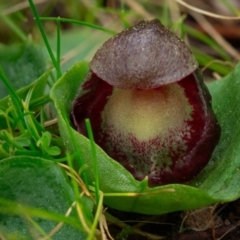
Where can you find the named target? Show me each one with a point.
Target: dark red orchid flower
(148, 105)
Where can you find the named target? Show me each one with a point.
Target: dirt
(219, 222)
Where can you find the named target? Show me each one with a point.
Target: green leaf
(54, 151)
(22, 64)
(38, 189)
(221, 177)
(45, 140)
(217, 183)
(23, 140)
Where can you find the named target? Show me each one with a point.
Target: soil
(219, 222)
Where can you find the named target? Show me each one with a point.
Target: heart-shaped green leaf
(217, 183)
(221, 176)
(43, 187)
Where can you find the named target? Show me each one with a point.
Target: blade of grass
(8, 119)
(11, 141)
(12, 92)
(205, 59)
(17, 111)
(59, 225)
(29, 118)
(94, 155)
(76, 148)
(123, 14)
(96, 218)
(230, 6)
(178, 27)
(79, 206)
(40, 27)
(18, 117)
(77, 22)
(165, 18)
(36, 226)
(10, 207)
(85, 224)
(41, 101)
(181, 25)
(207, 40)
(58, 48)
(74, 183)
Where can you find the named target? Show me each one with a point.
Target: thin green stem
(42, 114)
(97, 216)
(207, 40)
(122, 5)
(76, 148)
(165, 14)
(35, 13)
(30, 125)
(7, 119)
(59, 74)
(17, 111)
(12, 92)
(18, 117)
(41, 101)
(37, 226)
(11, 207)
(94, 155)
(77, 22)
(13, 143)
(123, 14)
(182, 29)
(29, 118)
(231, 7)
(74, 183)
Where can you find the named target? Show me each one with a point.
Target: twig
(21, 6)
(51, 122)
(217, 61)
(213, 15)
(228, 231)
(202, 21)
(117, 222)
(59, 225)
(104, 228)
(174, 11)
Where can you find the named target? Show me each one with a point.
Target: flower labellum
(148, 105)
